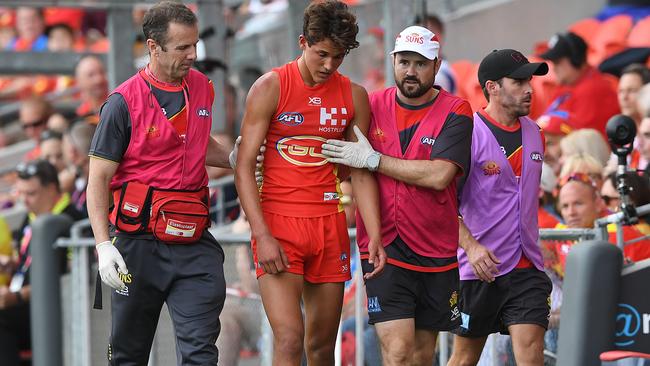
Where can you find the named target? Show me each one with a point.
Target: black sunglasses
(34, 124)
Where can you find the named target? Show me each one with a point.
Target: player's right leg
(281, 294)
(135, 311)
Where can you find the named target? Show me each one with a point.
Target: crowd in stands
(599, 68)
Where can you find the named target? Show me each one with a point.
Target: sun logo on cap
(518, 57)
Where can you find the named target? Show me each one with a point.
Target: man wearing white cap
(418, 144)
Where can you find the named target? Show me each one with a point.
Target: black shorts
(430, 298)
(522, 296)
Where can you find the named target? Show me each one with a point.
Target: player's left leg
(326, 270)
(323, 304)
(526, 314)
(528, 344)
(425, 347)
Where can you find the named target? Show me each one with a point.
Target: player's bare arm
(261, 103)
(483, 261)
(364, 185)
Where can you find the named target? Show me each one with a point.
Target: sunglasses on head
(26, 170)
(34, 124)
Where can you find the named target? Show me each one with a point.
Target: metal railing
(80, 295)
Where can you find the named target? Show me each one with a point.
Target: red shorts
(318, 248)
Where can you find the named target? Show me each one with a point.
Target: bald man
(90, 76)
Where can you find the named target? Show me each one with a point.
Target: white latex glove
(352, 154)
(107, 258)
(232, 157)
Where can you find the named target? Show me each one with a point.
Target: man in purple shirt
(503, 287)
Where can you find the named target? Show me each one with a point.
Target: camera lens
(621, 130)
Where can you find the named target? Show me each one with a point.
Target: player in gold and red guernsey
(299, 235)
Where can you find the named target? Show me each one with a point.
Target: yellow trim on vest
(59, 206)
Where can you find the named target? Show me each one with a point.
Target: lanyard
(24, 256)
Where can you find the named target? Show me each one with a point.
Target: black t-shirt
(509, 139)
(454, 141)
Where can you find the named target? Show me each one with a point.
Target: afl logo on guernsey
(203, 112)
(291, 118)
(536, 156)
(427, 140)
(302, 150)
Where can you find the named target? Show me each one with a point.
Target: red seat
(586, 29)
(611, 38)
(640, 34)
(618, 355)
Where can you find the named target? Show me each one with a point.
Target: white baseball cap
(418, 39)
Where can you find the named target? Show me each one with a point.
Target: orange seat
(474, 91)
(586, 29)
(611, 38)
(463, 72)
(640, 34)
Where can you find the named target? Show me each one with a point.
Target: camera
(621, 131)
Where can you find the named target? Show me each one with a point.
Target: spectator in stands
(240, 324)
(30, 30)
(52, 149)
(230, 210)
(90, 76)
(547, 215)
(586, 141)
(38, 188)
(585, 164)
(7, 29)
(60, 38)
(76, 145)
(6, 253)
(33, 115)
(643, 100)
(445, 76)
(555, 129)
(642, 142)
(375, 78)
(633, 78)
(580, 206)
(584, 97)
(57, 122)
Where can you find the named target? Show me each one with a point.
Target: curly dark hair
(156, 20)
(330, 19)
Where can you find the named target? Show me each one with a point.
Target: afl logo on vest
(427, 140)
(302, 150)
(203, 112)
(536, 156)
(291, 118)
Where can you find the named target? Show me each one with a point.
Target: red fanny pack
(172, 216)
